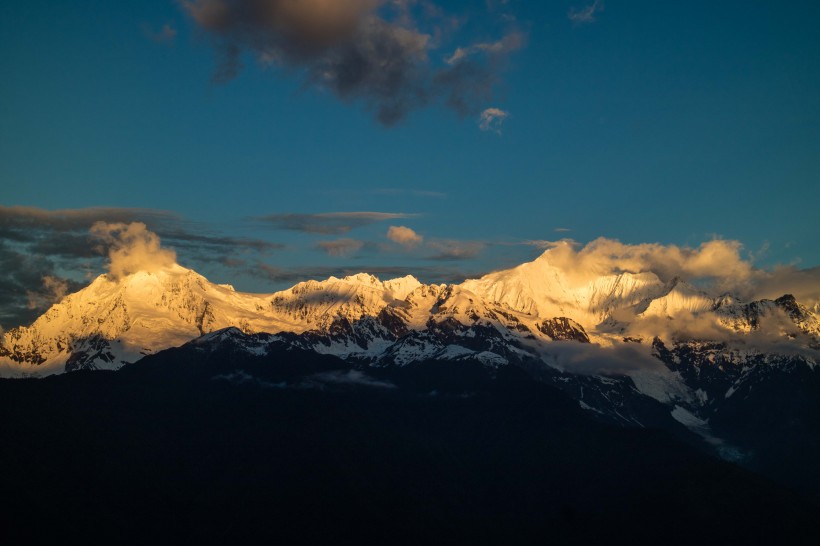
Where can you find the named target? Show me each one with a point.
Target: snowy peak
(681, 297)
(142, 312)
(784, 313)
(119, 319)
(316, 304)
(543, 289)
(624, 291)
(563, 329)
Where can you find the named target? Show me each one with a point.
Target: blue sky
(641, 121)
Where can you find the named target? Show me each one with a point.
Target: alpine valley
(724, 381)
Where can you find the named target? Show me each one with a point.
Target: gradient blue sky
(670, 122)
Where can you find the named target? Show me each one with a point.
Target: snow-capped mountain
(631, 348)
(545, 289)
(113, 321)
(117, 320)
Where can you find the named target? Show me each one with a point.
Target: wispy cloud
(241, 377)
(450, 250)
(492, 119)
(52, 291)
(340, 247)
(165, 35)
(319, 381)
(208, 246)
(374, 52)
(25, 223)
(66, 232)
(24, 291)
(329, 223)
(509, 43)
(587, 14)
(350, 378)
(541, 244)
(411, 192)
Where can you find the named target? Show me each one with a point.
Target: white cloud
(510, 42)
(719, 260)
(404, 236)
(717, 265)
(132, 247)
(492, 119)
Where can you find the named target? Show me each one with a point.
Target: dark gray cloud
(45, 254)
(329, 223)
(66, 232)
(450, 250)
(52, 290)
(369, 51)
(29, 284)
(26, 224)
(214, 247)
(38, 248)
(340, 247)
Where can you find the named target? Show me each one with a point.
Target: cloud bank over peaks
(717, 266)
(132, 248)
(369, 51)
(718, 260)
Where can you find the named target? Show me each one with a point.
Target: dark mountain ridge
(220, 445)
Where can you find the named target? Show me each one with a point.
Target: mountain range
(599, 406)
(117, 320)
